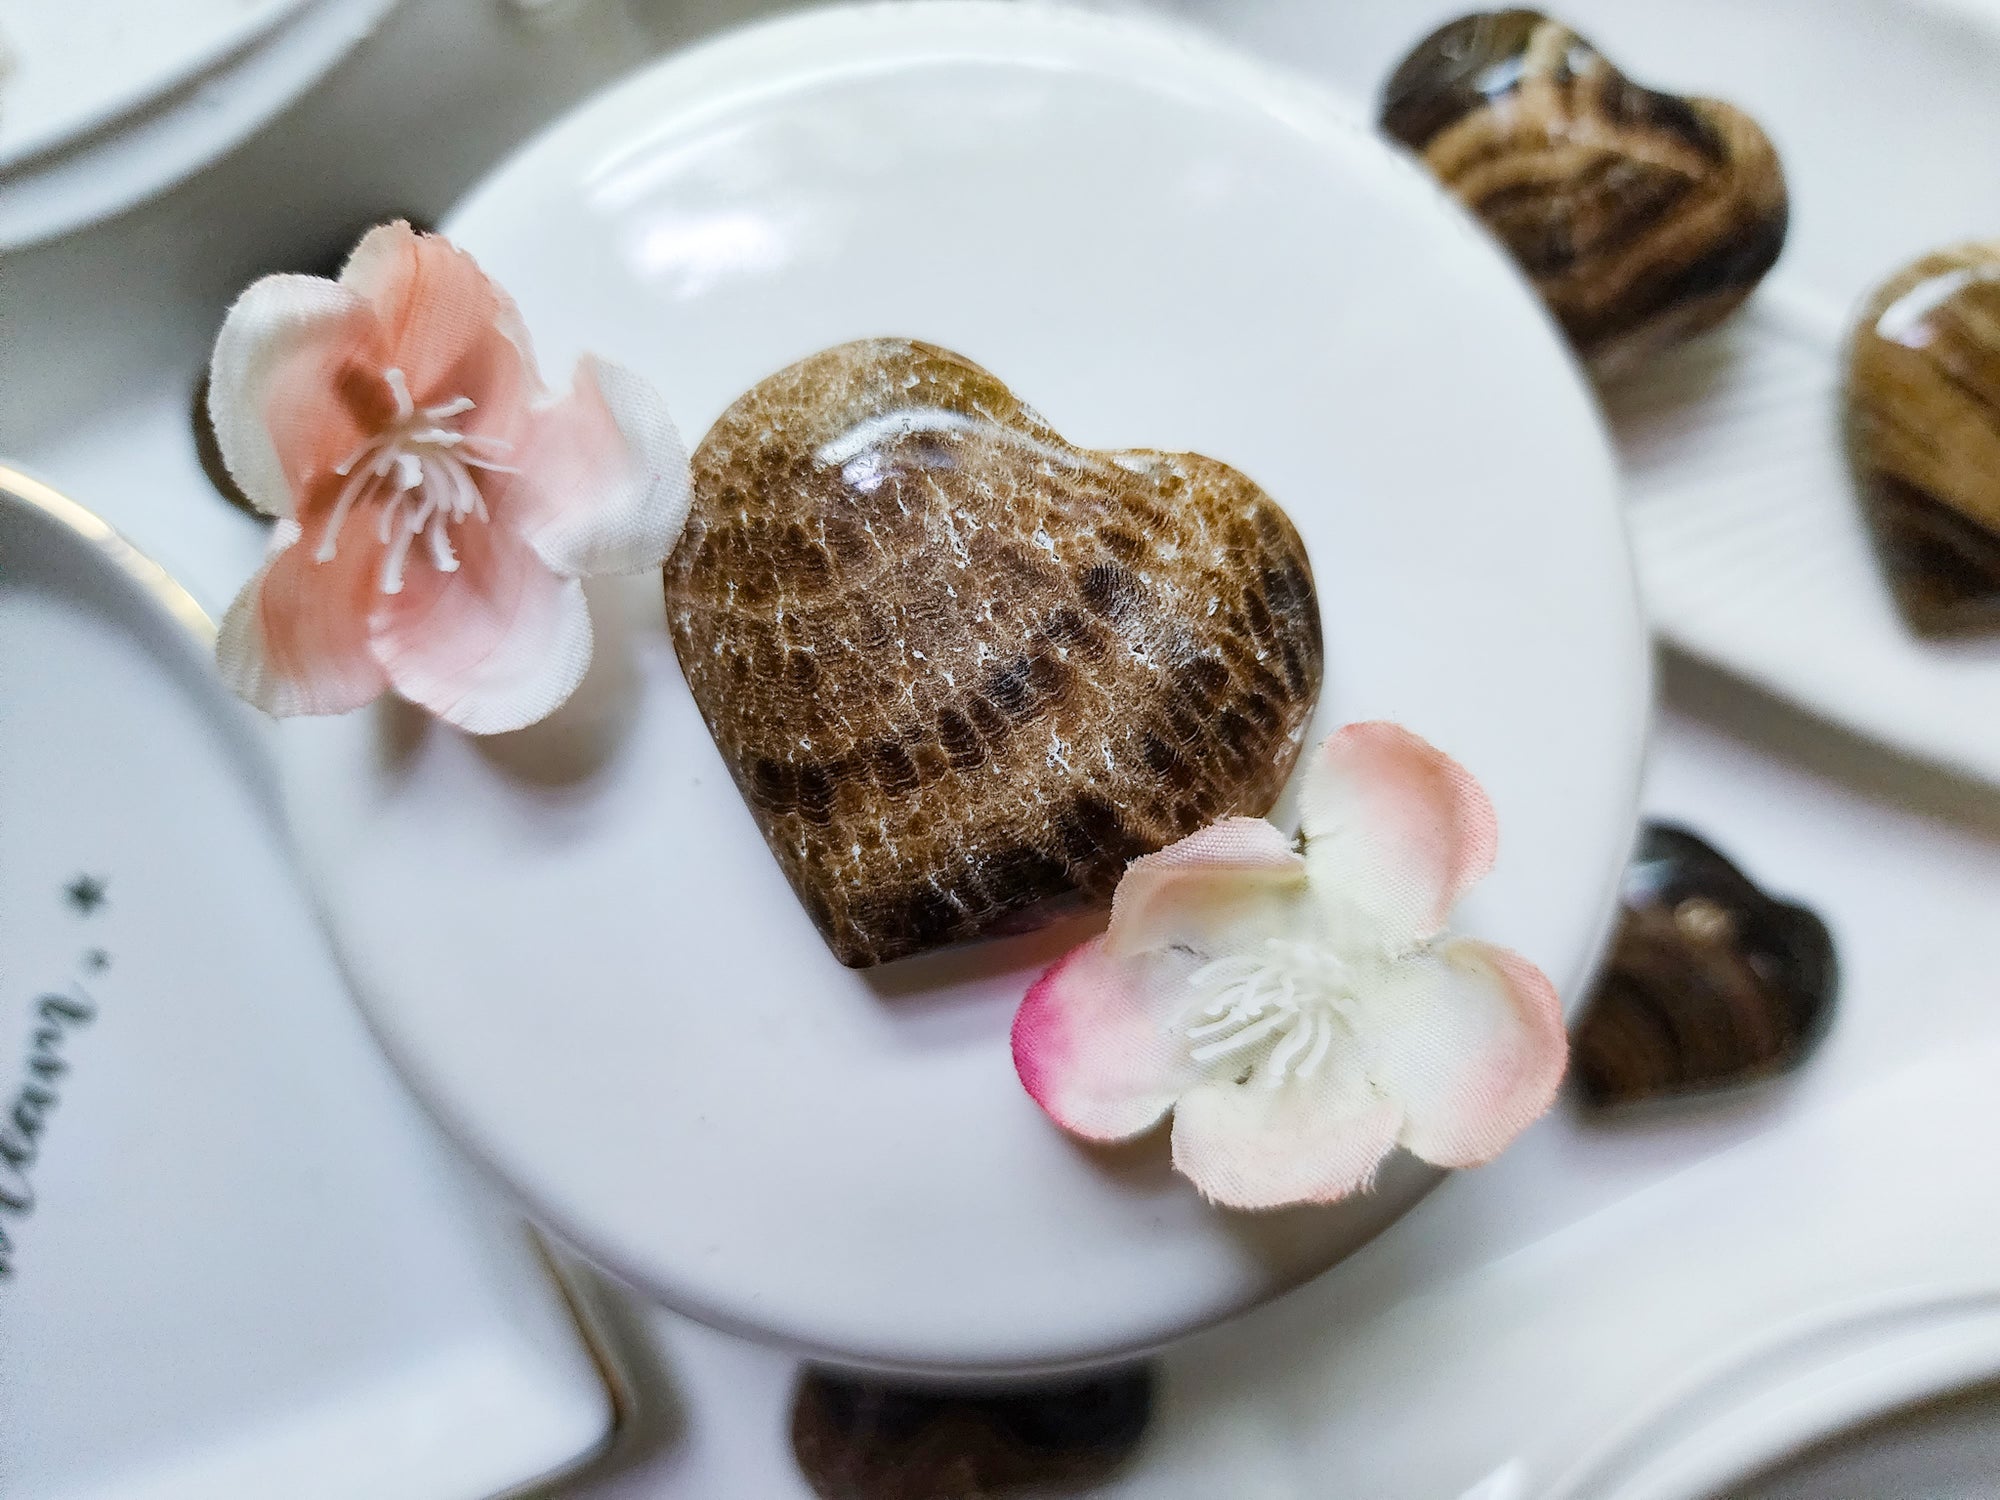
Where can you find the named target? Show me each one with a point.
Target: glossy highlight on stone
(964, 672)
(1641, 217)
(1923, 429)
(1710, 982)
(860, 1440)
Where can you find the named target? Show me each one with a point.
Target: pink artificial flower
(436, 505)
(1299, 1008)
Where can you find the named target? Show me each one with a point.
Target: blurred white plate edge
(153, 148)
(84, 95)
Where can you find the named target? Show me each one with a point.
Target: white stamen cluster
(419, 469)
(1279, 1010)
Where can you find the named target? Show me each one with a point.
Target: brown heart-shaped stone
(859, 1439)
(964, 672)
(1641, 217)
(1711, 981)
(1923, 428)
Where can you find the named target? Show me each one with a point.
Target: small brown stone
(209, 454)
(1030, 663)
(1923, 426)
(863, 1440)
(1641, 217)
(1711, 982)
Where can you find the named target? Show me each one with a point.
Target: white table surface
(105, 334)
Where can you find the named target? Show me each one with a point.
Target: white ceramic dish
(180, 129)
(74, 69)
(576, 943)
(1751, 550)
(237, 1259)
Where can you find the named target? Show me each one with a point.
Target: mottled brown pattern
(1641, 217)
(1711, 982)
(964, 672)
(1923, 423)
(863, 1440)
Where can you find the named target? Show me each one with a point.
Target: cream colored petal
(1221, 888)
(1470, 1042)
(1311, 1140)
(1092, 1047)
(604, 482)
(1395, 831)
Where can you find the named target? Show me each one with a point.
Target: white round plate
(150, 148)
(574, 940)
(73, 69)
(1752, 551)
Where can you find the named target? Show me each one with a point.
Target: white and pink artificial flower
(436, 505)
(1299, 1008)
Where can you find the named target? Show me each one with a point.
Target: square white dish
(238, 1263)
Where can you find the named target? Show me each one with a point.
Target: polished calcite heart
(1710, 982)
(962, 671)
(1641, 217)
(862, 1440)
(1923, 425)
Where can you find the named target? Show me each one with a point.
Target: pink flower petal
(1470, 1042)
(1314, 1140)
(296, 639)
(1091, 1048)
(1395, 830)
(604, 483)
(280, 358)
(1219, 888)
(493, 647)
(445, 325)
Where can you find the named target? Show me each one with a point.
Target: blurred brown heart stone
(962, 671)
(860, 1439)
(1711, 982)
(1641, 217)
(1923, 428)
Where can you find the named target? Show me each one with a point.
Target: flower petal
(295, 641)
(446, 326)
(1221, 887)
(278, 364)
(1311, 1140)
(493, 647)
(1395, 830)
(1091, 1049)
(604, 481)
(1470, 1042)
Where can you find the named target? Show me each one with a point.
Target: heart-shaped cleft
(964, 672)
(1641, 217)
(1710, 982)
(1923, 429)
